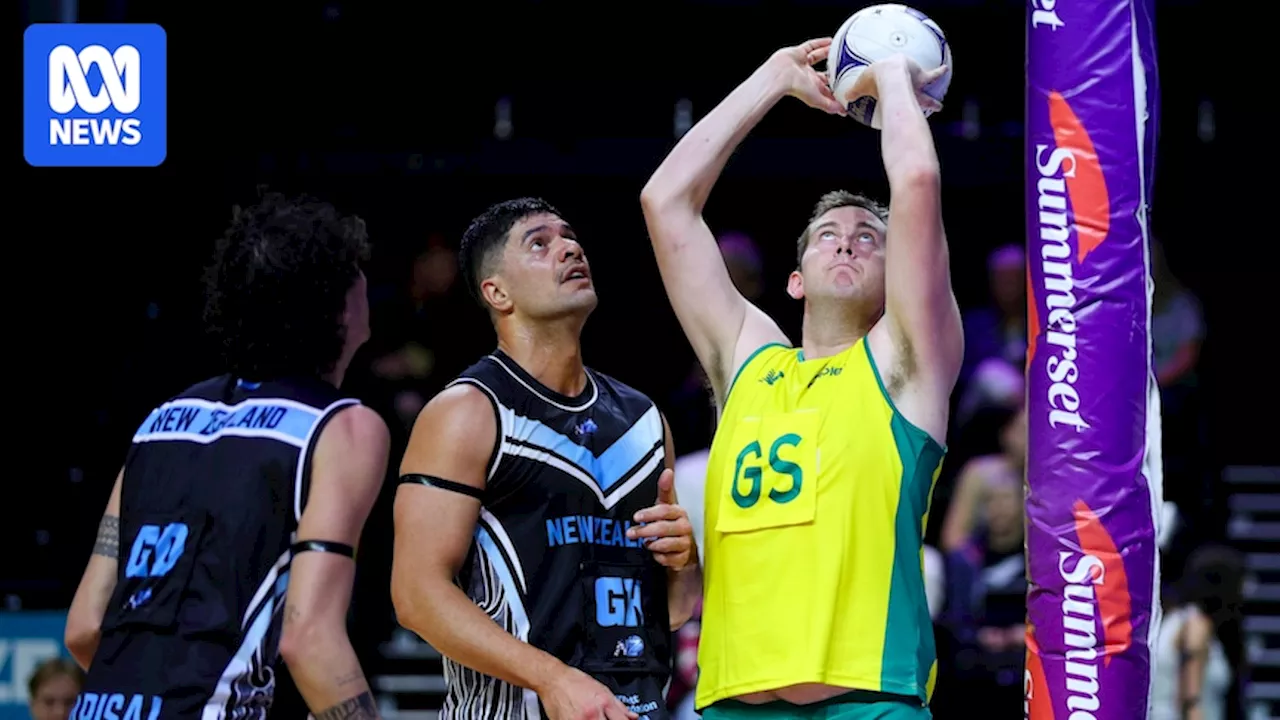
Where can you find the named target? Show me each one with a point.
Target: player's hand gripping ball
(876, 33)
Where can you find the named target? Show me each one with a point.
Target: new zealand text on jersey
(589, 529)
(181, 418)
(204, 421)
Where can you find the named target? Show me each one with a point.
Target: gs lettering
(746, 469)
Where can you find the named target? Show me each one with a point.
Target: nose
(844, 245)
(569, 250)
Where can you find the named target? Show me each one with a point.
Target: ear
(795, 285)
(495, 294)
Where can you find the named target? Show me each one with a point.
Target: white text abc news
(69, 88)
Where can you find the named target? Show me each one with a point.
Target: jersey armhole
(919, 438)
(302, 482)
(500, 431)
(746, 363)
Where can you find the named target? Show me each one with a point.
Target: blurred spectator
(1177, 331)
(1190, 659)
(935, 580)
(684, 680)
(691, 473)
(985, 610)
(53, 687)
(995, 338)
(964, 514)
(415, 340)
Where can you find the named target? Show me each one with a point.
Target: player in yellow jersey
(822, 468)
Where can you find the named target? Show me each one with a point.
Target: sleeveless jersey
(817, 495)
(551, 562)
(214, 485)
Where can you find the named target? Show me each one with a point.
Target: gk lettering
(747, 469)
(618, 602)
(69, 85)
(156, 551)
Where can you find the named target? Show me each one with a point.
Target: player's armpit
(84, 619)
(348, 469)
(453, 440)
(920, 306)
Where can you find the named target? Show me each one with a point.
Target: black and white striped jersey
(214, 486)
(551, 562)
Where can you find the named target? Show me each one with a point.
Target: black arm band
(326, 546)
(451, 486)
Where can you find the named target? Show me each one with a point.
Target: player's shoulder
(357, 425)
(487, 370)
(461, 412)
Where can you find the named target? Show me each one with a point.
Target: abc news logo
(69, 88)
(94, 95)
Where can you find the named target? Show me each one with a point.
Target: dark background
(388, 110)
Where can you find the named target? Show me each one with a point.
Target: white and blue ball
(875, 33)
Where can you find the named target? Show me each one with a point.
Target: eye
(867, 238)
(827, 235)
(537, 245)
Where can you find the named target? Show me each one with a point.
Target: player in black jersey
(526, 481)
(240, 488)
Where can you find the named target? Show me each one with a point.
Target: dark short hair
(486, 236)
(831, 201)
(277, 286)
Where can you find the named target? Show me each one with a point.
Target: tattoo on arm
(360, 707)
(291, 613)
(108, 542)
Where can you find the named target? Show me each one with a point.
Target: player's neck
(830, 329)
(553, 356)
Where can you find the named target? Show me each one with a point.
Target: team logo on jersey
(632, 646)
(586, 427)
(772, 377)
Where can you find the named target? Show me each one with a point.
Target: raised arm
(920, 307)
(348, 468)
(721, 325)
(84, 619)
(443, 477)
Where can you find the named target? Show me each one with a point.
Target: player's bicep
(348, 469)
(442, 478)
(920, 304)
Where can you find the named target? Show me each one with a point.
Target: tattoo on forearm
(360, 707)
(108, 542)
